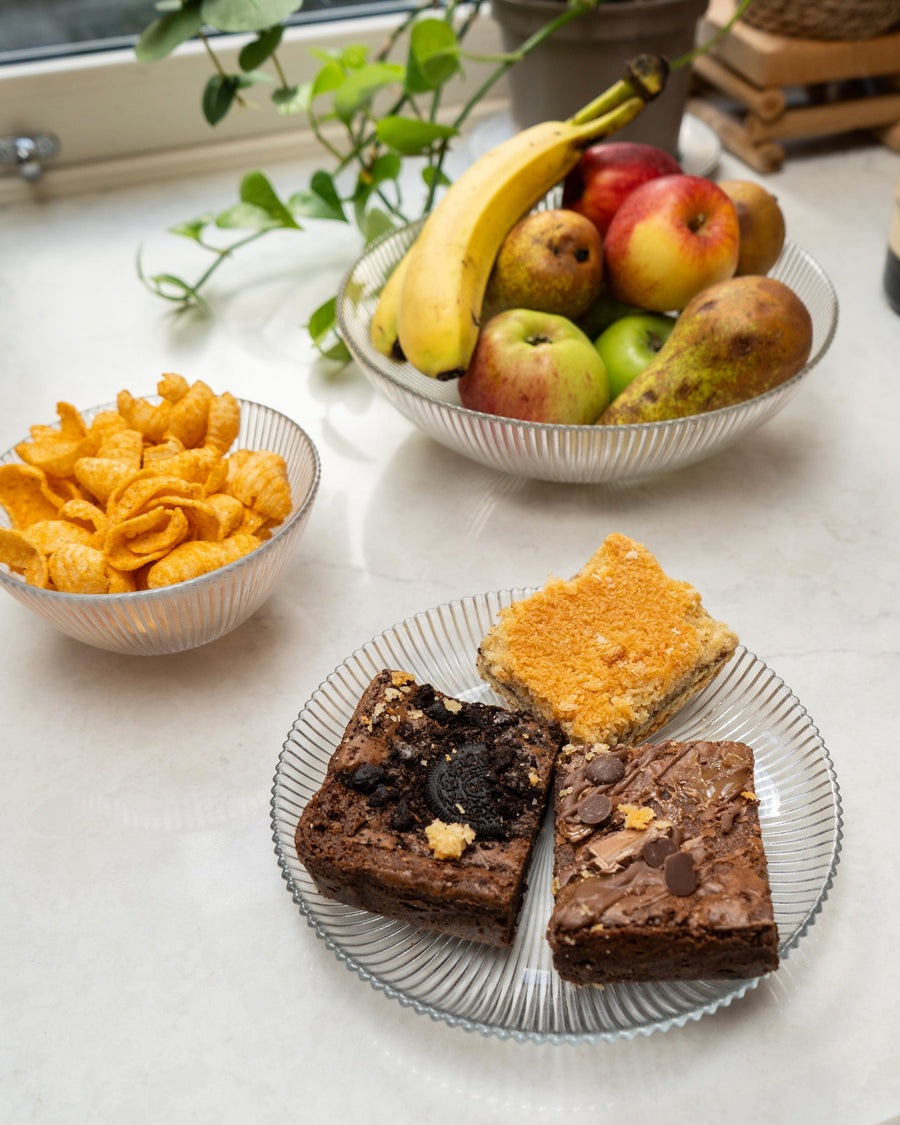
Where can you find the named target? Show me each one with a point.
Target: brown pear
(733, 341)
(761, 225)
(551, 261)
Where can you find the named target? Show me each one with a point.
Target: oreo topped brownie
(430, 808)
(659, 871)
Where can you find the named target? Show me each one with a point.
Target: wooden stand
(790, 88)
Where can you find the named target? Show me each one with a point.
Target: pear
(761, 224)
(551, 261)
(733, 341)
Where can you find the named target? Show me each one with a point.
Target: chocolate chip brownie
(659, 870)
(430, 808)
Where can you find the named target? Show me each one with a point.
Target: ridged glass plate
(515, 993)
(572, 454)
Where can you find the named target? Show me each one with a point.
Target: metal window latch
(27, 153)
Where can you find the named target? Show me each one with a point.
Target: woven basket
(825, 19)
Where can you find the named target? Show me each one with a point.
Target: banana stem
(612, 122)
(645, 78)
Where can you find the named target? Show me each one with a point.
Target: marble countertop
(152, 966)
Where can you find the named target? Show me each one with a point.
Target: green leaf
(218, 95)
(386, 167)
(256, 189)
(325, 54)
(377, 223)
(299, 99)
(354, 56)
(262, 48)
(322, 328)
(170, 31)
(433, 55)
(328, 78)
(320, 201)
(323, 184)
(193, 228)
(246, 216)
(247, 15)
(289, 100)
(410, 135)
(429, 175)
(362, 85)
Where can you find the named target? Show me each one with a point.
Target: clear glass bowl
(515, 993)
(192, 613)
(573, 454)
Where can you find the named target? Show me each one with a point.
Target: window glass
(42, 29)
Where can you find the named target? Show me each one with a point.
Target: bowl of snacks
(158, 524)
(585, 347)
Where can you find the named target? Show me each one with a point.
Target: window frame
(120, 121)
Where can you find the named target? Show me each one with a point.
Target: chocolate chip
(594, 809)
(605, 770)
(365, 778)
(402, 819)
(382, 795)
(680, 874)
(654, 852)
(423, 696)
(459, 789)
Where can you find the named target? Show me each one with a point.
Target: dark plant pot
(589, 54)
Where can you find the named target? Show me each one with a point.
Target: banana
(383, 330)
(441, 290)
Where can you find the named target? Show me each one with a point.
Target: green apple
(628, 345)
(537, 367)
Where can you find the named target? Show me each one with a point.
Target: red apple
(672, 237)
(607, 173)
(537, 367)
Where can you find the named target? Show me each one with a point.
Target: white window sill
(121, 122)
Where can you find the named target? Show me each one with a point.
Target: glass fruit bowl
(573, 454)
(191, 613)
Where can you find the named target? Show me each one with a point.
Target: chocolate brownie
(659, 870)
(430, 808)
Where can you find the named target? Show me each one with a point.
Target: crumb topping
(448, 841)
(636, 816)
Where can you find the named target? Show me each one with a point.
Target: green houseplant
(387, 107)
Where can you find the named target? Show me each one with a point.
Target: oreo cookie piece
(462, 788)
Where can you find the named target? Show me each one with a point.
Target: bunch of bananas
(429, 311)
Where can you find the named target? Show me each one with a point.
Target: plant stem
(221, 255)
(701, 49)
(220, 70)
(508, 61)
